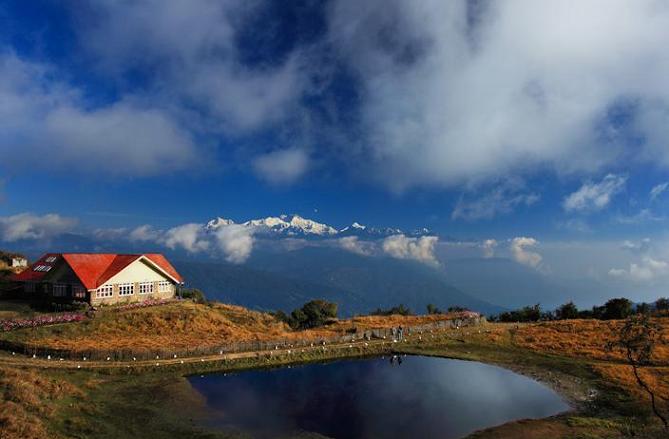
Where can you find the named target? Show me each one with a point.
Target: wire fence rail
(229, 347)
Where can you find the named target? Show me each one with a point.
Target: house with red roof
(100, 278)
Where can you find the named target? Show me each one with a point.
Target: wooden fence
(232, 347)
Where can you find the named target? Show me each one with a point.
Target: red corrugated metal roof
(94, 269)
(163, 263)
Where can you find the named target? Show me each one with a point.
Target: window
(164, 286)
(59, 290)
(146, 288)
(50, 259)
(104, 292)
(78, 292)
(126, 289)
(44, 268)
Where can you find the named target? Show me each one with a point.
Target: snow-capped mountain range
(295, 225)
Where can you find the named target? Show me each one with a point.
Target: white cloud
(46, 123)
(637, 247)
(190, 237)
(144, 233)
(281, 167)
(191, 49)
(30, 226)
(502, 199)
(595, 196)
(236, 242)
(643, 216)
(647, 270)
(522, 251)
(488, 247)
(455, 90)
(420, 249)
(354, 245)
(658, 190)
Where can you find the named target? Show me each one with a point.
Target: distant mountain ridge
(295, 225)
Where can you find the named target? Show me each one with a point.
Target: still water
(419, 397)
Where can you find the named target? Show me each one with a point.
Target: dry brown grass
(581, 338)
(26, 398)
(657, 378)
(189, 325)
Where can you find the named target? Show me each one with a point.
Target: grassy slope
(569, 356)
(186, 325)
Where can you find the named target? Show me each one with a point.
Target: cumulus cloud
(446, 93)
(647, 270)
(235, 241)
(502, 199)
(658, 190)
(641, 246)
(488, 247)
(281, 167)
(355, 245)
(457, 91)
(30, 226)
(190, 237)
(523, 253)
(420, 249)
(46, 118)
(595, 196)
(144, 233)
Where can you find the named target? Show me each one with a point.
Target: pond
(390, 397)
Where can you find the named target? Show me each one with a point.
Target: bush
(643, 308)
(662, 304)
(457, 309)
(525, 314)
(194, 294)
(616, 309)
(432, 309)
(400, 310)
(567, 311)
(312, 315)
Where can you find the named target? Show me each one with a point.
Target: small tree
(662, 304)
(643, 308)
(620, 308)
(312, 314)
(432, 309)
(637, 340)
(567, 311)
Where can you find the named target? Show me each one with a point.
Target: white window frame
(50, 259)
(59, 290)
(125, 290)
(164, 286)
(104, 292)
(146, 288)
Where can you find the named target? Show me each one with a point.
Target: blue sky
(474, 119)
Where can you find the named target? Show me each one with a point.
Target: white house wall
(138, 271)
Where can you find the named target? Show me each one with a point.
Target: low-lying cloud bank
(29, 226)
(419, 249)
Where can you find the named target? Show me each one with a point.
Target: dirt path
(356, 347)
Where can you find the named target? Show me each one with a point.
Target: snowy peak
(291, 225)
(218, 222)
(295, 225)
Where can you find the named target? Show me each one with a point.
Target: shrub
(662, 304)
(525, 314)
(311, 315)
(619, 308)
(432, 309)
(400, 310)
(193, 294)
(567, 311)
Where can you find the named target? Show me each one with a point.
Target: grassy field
(182, 325)
(44, 399)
